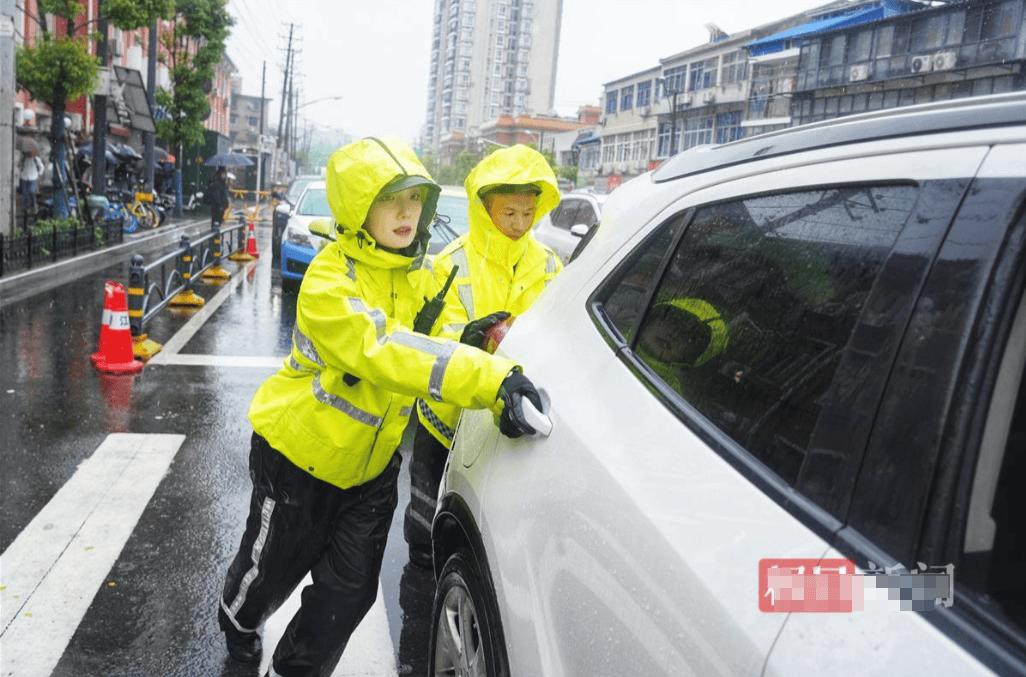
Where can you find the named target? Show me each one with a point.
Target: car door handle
(538, 420)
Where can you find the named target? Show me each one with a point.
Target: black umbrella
(228, 160)
(109, 155)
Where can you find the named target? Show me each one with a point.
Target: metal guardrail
(152, 286)
(26, 249)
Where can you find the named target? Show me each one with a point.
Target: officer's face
(513, 215)
(392, 219)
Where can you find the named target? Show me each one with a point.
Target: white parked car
(808, 345)
(565, 227)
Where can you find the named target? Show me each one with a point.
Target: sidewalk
(18, 286)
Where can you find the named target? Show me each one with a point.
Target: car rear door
(940, 490)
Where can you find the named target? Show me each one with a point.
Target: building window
(733, 69)
(644, 93)
(627, 98)
(611, 101)
(703, 74)
(697, 131)
(664, 140)
(728, 127)
(674, 79)
(609, 149)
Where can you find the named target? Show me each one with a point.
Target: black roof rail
(960, 114)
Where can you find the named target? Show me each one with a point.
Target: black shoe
(244, 647)
(421, 556)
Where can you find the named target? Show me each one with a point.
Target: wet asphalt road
(156, 615)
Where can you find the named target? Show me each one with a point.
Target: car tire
(466, 633)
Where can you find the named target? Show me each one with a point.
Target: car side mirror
(283, 209)
(323, 229)
(579, 229)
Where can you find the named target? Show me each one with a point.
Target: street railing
(153, 286)
(26, 249)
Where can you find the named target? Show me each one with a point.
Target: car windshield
(314, 203)
(296, 189)
(454, 207)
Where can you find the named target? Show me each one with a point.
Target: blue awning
(774, 42)
(588, 139)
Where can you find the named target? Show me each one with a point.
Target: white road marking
(170, 355)
(183, 335)
(369, 653)
(53, 569)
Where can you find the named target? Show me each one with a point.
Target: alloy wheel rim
(459, 651)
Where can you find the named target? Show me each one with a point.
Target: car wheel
(466, 634)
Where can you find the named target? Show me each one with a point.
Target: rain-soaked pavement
(155, 612)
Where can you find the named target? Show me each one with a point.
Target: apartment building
(839, 59)
(489, 58)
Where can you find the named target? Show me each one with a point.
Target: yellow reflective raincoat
(495, 273)
(338, 406)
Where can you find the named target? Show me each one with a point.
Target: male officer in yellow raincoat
(323, 457)
(502, 271)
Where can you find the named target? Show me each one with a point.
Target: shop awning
(776, 42)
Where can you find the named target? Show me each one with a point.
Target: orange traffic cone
(114, 355)
(251, 242)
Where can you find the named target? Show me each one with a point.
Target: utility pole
(100, 111)
(7, 85)
(151, 96)
(260, 138)
(281, 112)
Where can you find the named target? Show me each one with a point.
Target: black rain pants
(299, 524)
(427, 463)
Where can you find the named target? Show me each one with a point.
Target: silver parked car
(806, 346)
(566, 227)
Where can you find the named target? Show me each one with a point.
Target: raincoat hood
(517, 165)
(356, 173)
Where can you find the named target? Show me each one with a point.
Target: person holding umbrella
(31, 168)
(217, 196)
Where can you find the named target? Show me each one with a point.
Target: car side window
(757, 304)
(634, 281)
(994, 549)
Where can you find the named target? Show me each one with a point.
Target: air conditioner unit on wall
(708, 97)
(859, 73)
(921, 64)
(943, 61)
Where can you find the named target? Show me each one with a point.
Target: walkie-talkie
(424, 321)
(427, 316)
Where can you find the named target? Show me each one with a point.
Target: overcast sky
(375, 53)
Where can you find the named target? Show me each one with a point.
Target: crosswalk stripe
(53, 569)
(369, 653)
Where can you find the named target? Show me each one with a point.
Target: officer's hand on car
(515, 387)
(474, 333)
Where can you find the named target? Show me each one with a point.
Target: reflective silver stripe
(420, 518)
(550, 264)
(294, 364)
(351, 268)
(455, 327)
(405, 412)
(258, 546)
(442, 351)
(305, 346)
(376, 314)
(424, 411)
(459, 258)
(466, 295)
(343, 405)
(421, 496)
(271, 672)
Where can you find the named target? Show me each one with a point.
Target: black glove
(474, 333)
(515, 387)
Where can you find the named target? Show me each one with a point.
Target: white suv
(805, 346)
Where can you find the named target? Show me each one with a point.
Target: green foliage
(131, 14)
(44, 229)
(58, 69)
(194, 46)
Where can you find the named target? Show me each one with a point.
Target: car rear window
(314, 203)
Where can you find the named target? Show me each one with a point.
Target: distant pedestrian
(218, 196)
(31, 170)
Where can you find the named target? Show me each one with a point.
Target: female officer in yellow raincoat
(502, 270)
(323, 458)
